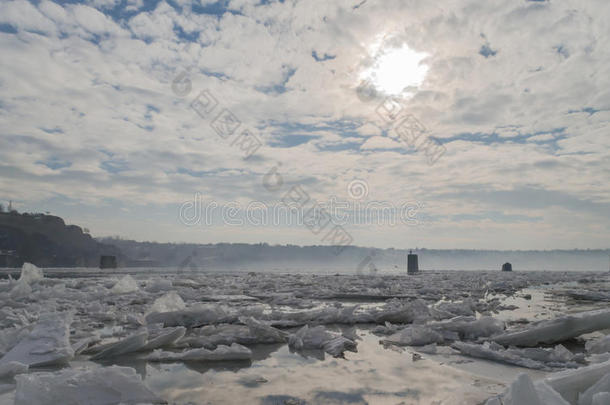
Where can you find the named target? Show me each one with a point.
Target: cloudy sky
(97, 123)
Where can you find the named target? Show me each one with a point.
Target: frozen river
(227, 338)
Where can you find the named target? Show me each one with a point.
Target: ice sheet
(168, 303)
(221, 353)
(97, 386)
(130, 344)
(12, 368)
(166, 337)
(318, 337)
(125, 285)
(48, 343)
(558, 329)
(536, 358)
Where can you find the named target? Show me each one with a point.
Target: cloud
(381, 142)
(516, 91)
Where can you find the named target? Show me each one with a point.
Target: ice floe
(523, 392)
(126, 284)
(535, 358)
(221, 353)
(30, 274)
(318, 337)
(168, 303)
(48, 342)
(443, 313)
(191, 318)
(130, 344)
(12, 368)
(91, 386)
(165, 337)
(598, 346)
(558, 329)
(416, 335)
(588, 385)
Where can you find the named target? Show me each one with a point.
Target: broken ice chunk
(130, 344)
(158, 284)
(167, 337)
(97, 386)
(30, 273)
(254, 332)
(453, 309)
(548, 395)
(221, 353)
(319, 338)
(468, 327)
(48, 343)
(9, 337)
(20, 290)
(570, 383)
(428, 349)
(396, 311)
(167, 303)
(524, 392)
(602, 385)
(12, 368)
(414, 335)
(557, 330)
(192, 318)
(251, 381)
(351, 334)
(326, 315)
(535, 358)
(84, 343)
(263, 332)
(598, 346)
(338, 345)
(309, 338)
(386, 329)
(601, 398)
(125, 285)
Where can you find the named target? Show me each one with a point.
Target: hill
(46, 241)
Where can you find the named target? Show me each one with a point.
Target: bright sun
(397, 70)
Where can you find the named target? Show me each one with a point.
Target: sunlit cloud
(396, 70)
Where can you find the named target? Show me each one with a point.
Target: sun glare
(397, 71)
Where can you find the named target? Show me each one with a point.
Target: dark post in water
(108, 262)
(412, 266)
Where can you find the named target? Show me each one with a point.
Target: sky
(139, 118)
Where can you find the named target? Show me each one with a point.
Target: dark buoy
(108, 262)
(507, 267)
(412, 266)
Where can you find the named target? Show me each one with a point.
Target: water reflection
(280, 376)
